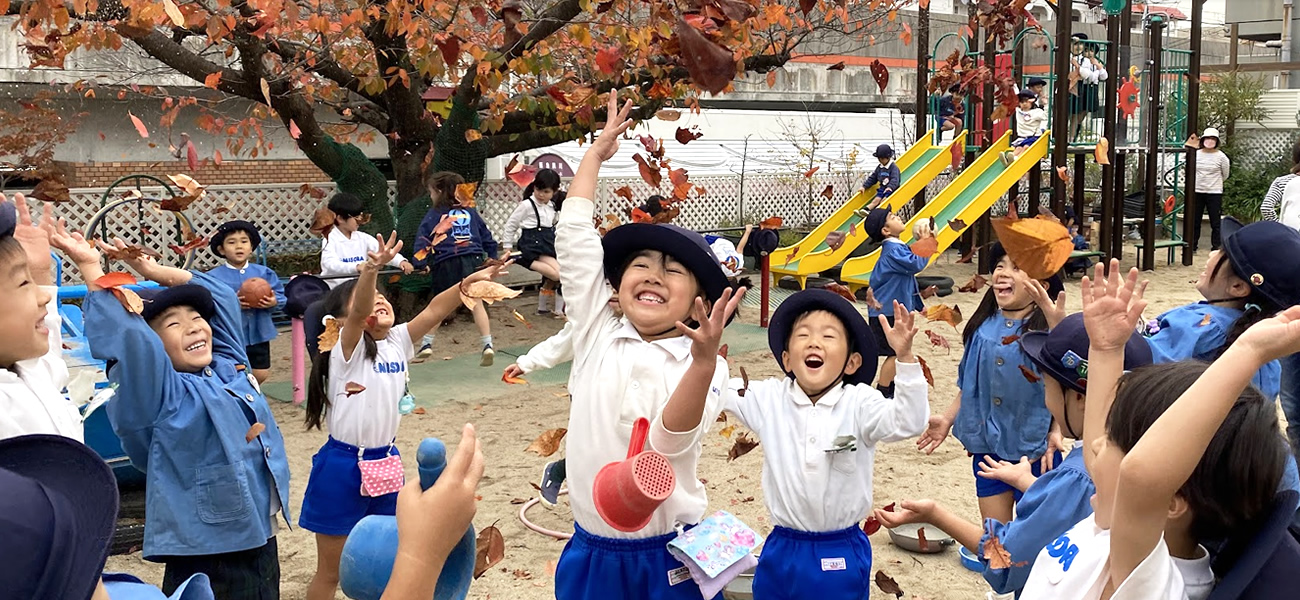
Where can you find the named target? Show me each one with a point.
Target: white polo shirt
(369, 418)
(340, 255)
(549, 352)
(805, 487)
(31, 396)
(618, 377)
(1074, 566)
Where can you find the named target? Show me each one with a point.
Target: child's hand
(1111, 306)
(706, 338)
(935, 433)
(141, 263)
(1274, 338)
(1055, 443)
(34, 239)
(907, 511)
(388, 249)
(901, 333)
(1012, 474)
(489, 272)
(72, 244)
(1053, 309)
(267, 302)
(407, 267)
(616, 122)
(430, 523)
(514, 370)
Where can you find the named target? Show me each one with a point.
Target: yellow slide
(967, 198)
(918, 166)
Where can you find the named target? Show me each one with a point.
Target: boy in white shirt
(344, 251)
(650, 365)
(1030, 120)
(819, 427)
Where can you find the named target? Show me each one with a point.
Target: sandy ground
(508, 423)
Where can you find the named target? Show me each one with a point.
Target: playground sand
(508, 422)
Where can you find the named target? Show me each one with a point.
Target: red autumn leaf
(212, 80)
(255, 430)
(449, 47)
(558, 95)
(880, 73)
(685, 136)
(842, 290)
(810, 172)
(835, 239)
(139, 125)
(1030, 376)
(641, 216)
(625, 193)
(52, 190)
(956, 224)
(1010, 339)
(677, 176)
(955, 150)
(871, 526)
(741, 447)
(294, 132)
(839, 66)
(480, 15)
(514, 380)
(921, 542)
(793, 253)
(419, 410)
(115, 279)
(1064, 174)
(1038, 247)
(925, 370)
(548, 442)
(807, 5)
(975, 284)
(853, 228)
(216, 158)
(191, 156)
(938, 341)
(650, 174)
(966, 258)
(942, 312)
(829, 192)
(189, 246)
(353, 388)
(888, 585)
(710, 66)
(770, 223)
(925, 248)
(906, 35)
(771, 79)
(490, 550)
(890, 507)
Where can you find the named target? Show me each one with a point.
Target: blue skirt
(333, 503)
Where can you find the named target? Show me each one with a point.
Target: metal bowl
(905, 537)
(740, 588)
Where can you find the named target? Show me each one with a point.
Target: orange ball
(254, 290)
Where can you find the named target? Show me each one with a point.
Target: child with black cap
(1030, 120)
(885, 176)
(819, 427)
(345, 248)
(194, 420)
(1038, 86)
(236, 241)
(893, 279)
(649, 365)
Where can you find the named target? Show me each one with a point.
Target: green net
(409, 216)
(361, 178)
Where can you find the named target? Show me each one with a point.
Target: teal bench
(1170, 245)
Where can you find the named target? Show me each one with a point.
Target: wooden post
(984, 227)
(1152, 117)
(1235, 30)
(1121, 139)
(1110, 197)
(922, 84)
(1190, 201)
(1116, 249)
(1080, 166)
(1061, 134)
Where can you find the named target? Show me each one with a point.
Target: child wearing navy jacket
(466, 247)
(236, 241)
(192, 417)
(886, 175)
(893, 279)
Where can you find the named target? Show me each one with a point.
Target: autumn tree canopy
(525, 74)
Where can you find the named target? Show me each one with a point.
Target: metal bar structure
(1155, 28)
(1111, 198)
(1190, 201)
(922, 81)
(984, 227)
(1080, 169)
(1061, 133)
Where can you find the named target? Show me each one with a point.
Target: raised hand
(905, 512)
(1112, 306)
(1016, 475)
(141, 262)
(1053, 310)
(491, 271)
(935, 433)
(388, 249)
(407, 267)
(616, 122)
(34, 239)
(1273, 338)
(706, 337)
(901, 333)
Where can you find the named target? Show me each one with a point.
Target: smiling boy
(819, 427)
(236, 241)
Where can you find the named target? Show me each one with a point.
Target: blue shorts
(985, 487)
(1025, 142)
(600, 568)
(834, 564)
(333, 503)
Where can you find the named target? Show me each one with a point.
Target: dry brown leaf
(130, 300)
(997, 555)
(938, 340)
(888, 585)
(1010, 339)
(548, 442)
(921, 542)
(743, 445)
(930, 292)
(1206, 320)
(253, 432)
(942, 312)
(1038, 247)
(925, 370)
(1102, 152)
(487, 291)
(871, 300)
(518, 501)
(744, 377)
(491, 550)
(419, 410)
(975, 284)
(925, 248)
(835, 239)
(727, 431)
(1030, 376)
(330, 336)
(842, 290)
(353, 388)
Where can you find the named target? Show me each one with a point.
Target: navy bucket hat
(806, 301)
(684, 245)
(884, 151)
(230, 227)
(301, 292)
(1264, 254)
(8, 218)
(157, 300)
(1062, 353)
(874, 222)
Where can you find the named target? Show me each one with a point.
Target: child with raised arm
(236, 241)
(1180, 453)
(191, 416)
(819, 427)
(345, 248)
(648, 365)
(892, 280)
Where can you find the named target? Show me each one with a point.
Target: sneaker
(553, 475)
(488, 355)
(426, 351)
(1008, 157)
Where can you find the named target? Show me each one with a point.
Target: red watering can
(628, 492)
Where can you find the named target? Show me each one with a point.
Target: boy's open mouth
(199, 345)
(813, 361)
(381, 310)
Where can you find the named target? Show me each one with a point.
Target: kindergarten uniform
(894, 278)
(887, 176)
(533, 225)
(617, 378)
(468, 244)
(1074, 566)
(340, 255)
(258, 330)
(733, 264)
(1002, 414)
(1052, 505)
(212, 497)
(550, 352)
(1029, 126)
(31, 396)
(817, 497)
(362, 426)
(1198, 331)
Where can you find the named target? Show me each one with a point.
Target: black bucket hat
(301, 291)
(874, 222)
(1053, 284)
(1264, 254)
(230, 227)
(684, 245)
(883, 151)
(195, 296)
(1062, 353)
(855, 324)
(8, 218)
(58, 512)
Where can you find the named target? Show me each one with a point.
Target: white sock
(487, 340)
(427, 341)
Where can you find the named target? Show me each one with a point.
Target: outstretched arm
(363, 295)
(928, 511)
(444, 303)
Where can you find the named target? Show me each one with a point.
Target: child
(1179, 454)
(819, 427)
(999, 412)
(236, 241)
(537, 240)
(1038, 86)
(952, 109)
(1029, 123)
(467, 246)
(730, 256)
(32, 371)
(1247, 281)
(192, 418)
(647, 365)
(1053, 503)
(345, 248)
(885, 174)
(366, 373)
(1087, 73)
(1075, 266)
(892, 280)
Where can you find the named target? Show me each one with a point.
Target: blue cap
(875, 222)
(685, 246)
(1263, 254)
(230, 227)
(884, 151)
(8, 218)
(1023, 95)
(58, 512)
(158, 299)
(855, 325)
(1062, 353)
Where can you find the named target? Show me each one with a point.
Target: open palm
(1112, 306)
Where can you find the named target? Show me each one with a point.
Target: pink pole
(299, 344)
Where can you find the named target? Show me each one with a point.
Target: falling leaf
(938, 340)
(871, 525)
(906, 35)
(839, 66)
(771, 79)
(266, 91)
(255, 430)
(829, 192)
(880, 73)
(548, 442)
(625, 193)
(353, 388)
(770, 223)
(132, 252)
(727, 431)
(1010, 339)
(487, 291)
(174, 13)
(217, 158)
(191, 156)
(130, 300)
(1206, 320)
(465, 194)
(491, 550)
(1038, 247)
(649, 173)
(835, 239)
(520, 318)
(294, 132)
(956, 224)
(685, 136)
(212, 80)
(189, 246)
(997, 555)
(975, 284)
(888, 585)
(139, 125)
(449, 48)
(115, 279)
(52, 190)
(793, 253)
(925, 248)
(1102, 152)
(330, 336)
(742, 447)
(810, 172)
(1064, 174)
(744, 378)
(925, 370)
(668, 115)
(871, 301)
(842, 290)
(1030, 376)
(921, 542)
(710, 66)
